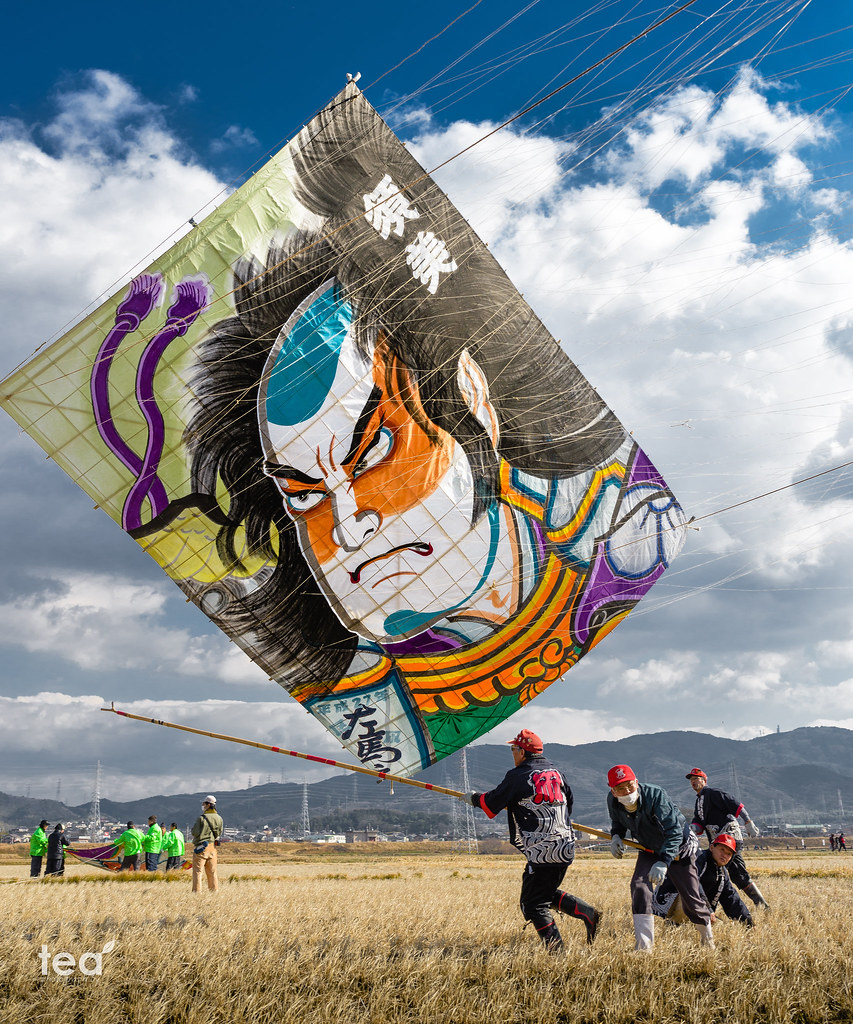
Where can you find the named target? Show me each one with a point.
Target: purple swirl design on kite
(607, 591)
(190, 297)
(142, 296)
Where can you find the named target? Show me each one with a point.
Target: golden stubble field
(437, 939)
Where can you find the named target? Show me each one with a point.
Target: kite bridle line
(381, 776)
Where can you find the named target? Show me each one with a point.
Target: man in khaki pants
(206, 832)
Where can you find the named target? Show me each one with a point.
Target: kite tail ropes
(335, 764)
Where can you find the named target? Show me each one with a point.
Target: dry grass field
(377, 936)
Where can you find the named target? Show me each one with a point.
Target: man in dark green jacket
(38, 848)
(56, 843)
(670, 848)
(206, 834)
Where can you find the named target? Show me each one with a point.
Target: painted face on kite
(383, 510)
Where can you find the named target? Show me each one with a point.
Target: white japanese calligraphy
(428, 257)
(386, 209)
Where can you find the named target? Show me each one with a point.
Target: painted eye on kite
(298, 501)
(378, 450)
(302, 501)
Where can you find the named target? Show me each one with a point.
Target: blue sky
(679, 218)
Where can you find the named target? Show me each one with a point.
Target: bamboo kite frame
(338, 764)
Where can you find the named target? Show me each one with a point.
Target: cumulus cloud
(234, 137)
(692, 134)
(84, 197)
(99, 622)
(655, 676)
(562, 725)
(718, 350)
(504, 174)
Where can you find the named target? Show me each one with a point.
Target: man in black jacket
(715, 882)
(716, 813)
(538, 802)
(56, 844)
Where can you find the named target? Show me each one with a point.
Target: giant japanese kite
(334, 422)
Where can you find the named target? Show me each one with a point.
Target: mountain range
(804, 776)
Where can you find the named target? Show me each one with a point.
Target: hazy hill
(796, 776)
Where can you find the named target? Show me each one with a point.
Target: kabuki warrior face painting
(383, 506)
(353, 445)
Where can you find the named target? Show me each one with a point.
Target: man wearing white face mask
(670, 851)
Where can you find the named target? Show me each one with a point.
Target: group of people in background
(672, 877)
(837, 843)
(206, 834)
(134, 844)
(151, 844)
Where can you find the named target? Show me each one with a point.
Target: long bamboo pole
(291, 753)
(335, 764)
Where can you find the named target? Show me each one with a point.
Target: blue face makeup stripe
(404, 621)
(307, 361)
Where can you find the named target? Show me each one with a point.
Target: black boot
(571, 905)
(550, 935)
(754, 894)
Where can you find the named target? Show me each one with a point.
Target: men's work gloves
(657, 872)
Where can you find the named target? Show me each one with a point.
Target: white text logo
(64, 963)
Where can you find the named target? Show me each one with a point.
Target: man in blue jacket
(538, 802)
(656, 823)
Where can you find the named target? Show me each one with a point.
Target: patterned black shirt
(538, 802)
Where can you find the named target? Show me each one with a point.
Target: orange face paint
(382, 500)
(408, 474)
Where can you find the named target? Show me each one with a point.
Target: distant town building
(362, 835)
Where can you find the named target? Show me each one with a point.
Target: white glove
(657, 873)
(617, 847)
(753, 828)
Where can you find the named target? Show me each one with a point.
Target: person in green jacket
(38, 848)
(173, 845)
(152, 844)
(130, 843)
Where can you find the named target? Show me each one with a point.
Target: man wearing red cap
(538, 802)
(716, 813)
(715, 882)
(670, 849)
